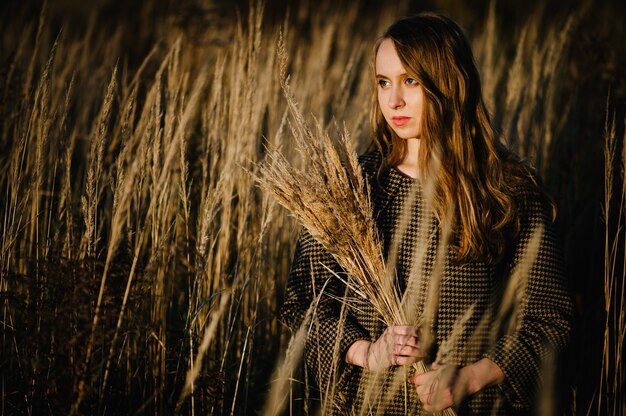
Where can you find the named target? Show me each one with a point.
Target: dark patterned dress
(470, 297)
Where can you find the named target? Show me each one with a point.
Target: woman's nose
(395, 98)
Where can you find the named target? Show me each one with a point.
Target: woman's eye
(383, 83)
(411, 81)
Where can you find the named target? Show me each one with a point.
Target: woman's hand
(447, 386)
(441, 387)
(398, 345)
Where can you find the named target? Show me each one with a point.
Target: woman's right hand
(398, 345)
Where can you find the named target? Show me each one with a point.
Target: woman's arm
(313, 289)
(543, 315)
(481, 374)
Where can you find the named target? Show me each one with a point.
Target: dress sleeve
(331, 330)
(544, 313)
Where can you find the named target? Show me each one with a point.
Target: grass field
(141, 267)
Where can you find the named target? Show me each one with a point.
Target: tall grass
(611, 382)
(140, 266)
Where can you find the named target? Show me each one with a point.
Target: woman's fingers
(398, 345)
(423, 379)
(407, 345)
(405, 359)
(406, 330)
(407, 350)
(426, 386)
(438, 400)
(406, 340)
(435, 390)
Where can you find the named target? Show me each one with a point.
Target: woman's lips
(400, 121)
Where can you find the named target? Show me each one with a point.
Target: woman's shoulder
(523, 183)
(532, 200)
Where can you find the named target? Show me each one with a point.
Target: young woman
(429, 123)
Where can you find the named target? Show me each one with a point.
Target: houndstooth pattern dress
(470, 293)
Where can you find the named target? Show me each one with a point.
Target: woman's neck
(410, 164)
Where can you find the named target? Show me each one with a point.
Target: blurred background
(141, 268)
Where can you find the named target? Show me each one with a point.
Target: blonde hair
(477, 176)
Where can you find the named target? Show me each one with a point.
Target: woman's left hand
(447, 386)
(440, 388)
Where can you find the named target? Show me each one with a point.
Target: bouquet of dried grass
(331, 200)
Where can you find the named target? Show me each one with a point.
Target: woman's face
(400, 96)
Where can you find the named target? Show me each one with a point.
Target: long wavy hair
(477, 177)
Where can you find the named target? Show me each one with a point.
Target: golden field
(141, 267)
